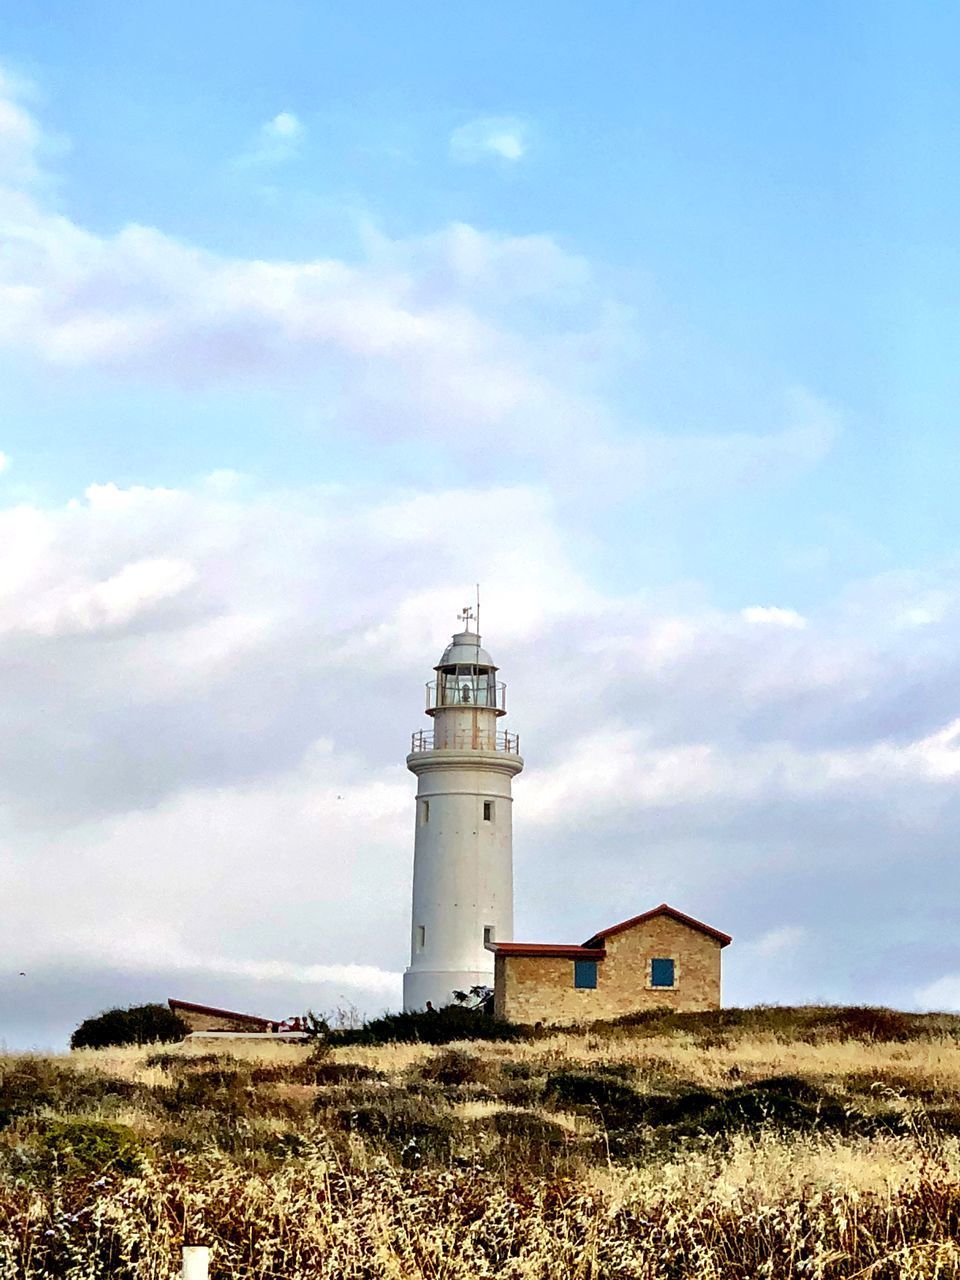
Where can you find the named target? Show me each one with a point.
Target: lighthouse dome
(464, 650)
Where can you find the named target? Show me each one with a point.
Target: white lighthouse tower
(463, 850)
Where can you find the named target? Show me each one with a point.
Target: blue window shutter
(585, 973)
(661, 973)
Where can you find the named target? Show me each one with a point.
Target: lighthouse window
(421, 936)
(488, 810)
(487, 933)
(425, 811)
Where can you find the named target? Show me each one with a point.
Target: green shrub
(189, 1062)
(30, 1085)
(340, 1073)
(92, 1146)
(408, 1127)
(864, 1023)
(594, 1092)
(454, 1067)
(139, 1024)
(226, 1091)
(439, 1026)
(786, 1103)
(313, 1072)
(808, 1023)
(165, 1061)
(518, 1093)
(522, 1140)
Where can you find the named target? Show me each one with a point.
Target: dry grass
(648, 1152)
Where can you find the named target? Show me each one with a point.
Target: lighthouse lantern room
(463, 844)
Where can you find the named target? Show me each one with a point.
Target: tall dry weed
(627, 1153)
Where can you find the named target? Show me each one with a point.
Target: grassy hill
(813, 1142)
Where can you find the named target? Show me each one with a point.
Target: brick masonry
(538, 988)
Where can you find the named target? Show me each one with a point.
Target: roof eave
(546, 950)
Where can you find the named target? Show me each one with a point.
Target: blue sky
(771, 190)
(643, 314)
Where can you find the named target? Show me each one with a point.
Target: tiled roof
(597, 939)
(594, 948)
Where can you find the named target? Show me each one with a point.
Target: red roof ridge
(664, 909)
(220, 1013)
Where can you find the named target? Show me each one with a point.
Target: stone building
(662, 958)
(209, 1023)
(205, 1018)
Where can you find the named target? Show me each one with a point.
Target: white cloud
(276, 141)
(208, 691)
(114, 602)
(356, 977)
(284, 125)
(156, 954)
(773, 616)
(943, 994)
(423, 340)
(20, 135)
(499, 346)
(209, 697)
(611, 772)
(776, 942)
(505, 137)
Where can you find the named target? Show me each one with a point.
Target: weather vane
(466, 615)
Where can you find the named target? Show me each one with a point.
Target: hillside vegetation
(815, 1142)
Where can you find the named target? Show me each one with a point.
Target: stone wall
(217, 1022)
(540, 988)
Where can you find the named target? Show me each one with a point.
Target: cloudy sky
(644, 316)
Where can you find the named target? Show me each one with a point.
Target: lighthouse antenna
(478, 623)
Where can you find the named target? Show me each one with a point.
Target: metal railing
(425, 740)
(467, 691)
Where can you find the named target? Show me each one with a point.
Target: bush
(808, 1023)
(311, 1072)
(522, 1140)
(436, 1026)
(453, 1068)
(180, 1062)
(595, 1091)
(226, 1091)
(30, 1085)
(139, 1024)
(784, 1103)
(341, 1073)
(864, 1023)
(411, 1129)
(93, 1146)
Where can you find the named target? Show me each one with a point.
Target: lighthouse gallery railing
(423, 740)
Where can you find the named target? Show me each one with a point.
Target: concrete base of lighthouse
(421, 985)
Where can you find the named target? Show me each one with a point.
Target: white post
(196, 1262)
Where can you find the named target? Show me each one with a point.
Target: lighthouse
(463, 844)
